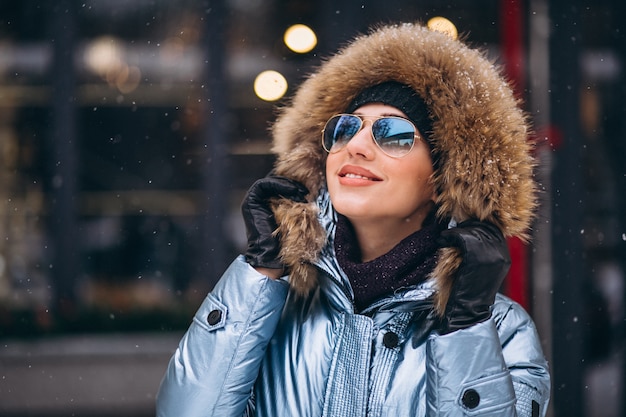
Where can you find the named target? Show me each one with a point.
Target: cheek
(331, 161)
(331, 165)
(331, 187)
(330, 168)
(420, 173)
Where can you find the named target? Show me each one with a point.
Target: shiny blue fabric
(273, 354)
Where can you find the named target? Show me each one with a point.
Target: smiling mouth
(357, 176)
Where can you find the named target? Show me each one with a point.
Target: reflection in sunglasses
(395, 136)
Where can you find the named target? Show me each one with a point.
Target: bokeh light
(441, 24)
(103, 55)
(270, 85)
(300, 38)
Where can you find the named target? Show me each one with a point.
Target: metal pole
(567, 209)
(616, 129)
(212, 252)
(539, 107)
(62, 183)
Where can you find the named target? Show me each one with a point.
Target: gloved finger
(472, 234)
(450, 238)
(470, 231)
(277, 187)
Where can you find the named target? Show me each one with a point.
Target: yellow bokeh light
(441, 24)
(300, 38)
(270, 85)
(103, 55)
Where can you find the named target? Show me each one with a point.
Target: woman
(369, 284)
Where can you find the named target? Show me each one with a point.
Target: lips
(357, 173)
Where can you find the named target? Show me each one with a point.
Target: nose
(362, 144)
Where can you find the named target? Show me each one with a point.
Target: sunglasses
(395, 136)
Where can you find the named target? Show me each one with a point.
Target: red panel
(513, 53)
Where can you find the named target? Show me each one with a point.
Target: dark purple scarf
(407, 264)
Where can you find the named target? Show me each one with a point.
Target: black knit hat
(402, 97)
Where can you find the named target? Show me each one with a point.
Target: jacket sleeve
(494, 368)
(213, 371)
(524, 358)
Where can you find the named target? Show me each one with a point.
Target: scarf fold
(407, 264)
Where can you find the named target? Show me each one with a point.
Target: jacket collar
(415, 298)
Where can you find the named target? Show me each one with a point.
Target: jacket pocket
(211, 315)
(487, 396)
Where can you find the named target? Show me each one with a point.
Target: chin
(353, 212)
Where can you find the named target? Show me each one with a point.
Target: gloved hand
(263, 246)
(485, 263)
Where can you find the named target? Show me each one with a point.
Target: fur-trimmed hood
(480, 136)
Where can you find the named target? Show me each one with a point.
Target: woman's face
(365, 184)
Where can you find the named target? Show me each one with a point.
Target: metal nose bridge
(364, 120)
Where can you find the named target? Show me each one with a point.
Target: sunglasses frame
(372, 119)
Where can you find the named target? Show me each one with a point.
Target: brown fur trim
(443, 274)
(480, 134)
(302, 238)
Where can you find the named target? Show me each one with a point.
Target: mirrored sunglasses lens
(395, 136)
(339, 130)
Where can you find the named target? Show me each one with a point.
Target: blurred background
(130, 129)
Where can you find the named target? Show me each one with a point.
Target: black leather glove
(485, 263)
(263, 246)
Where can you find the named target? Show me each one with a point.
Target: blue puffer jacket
(255, 348)
(295, 347)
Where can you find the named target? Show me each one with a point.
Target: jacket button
(214, 317)
(471, 399)
(390, 340)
